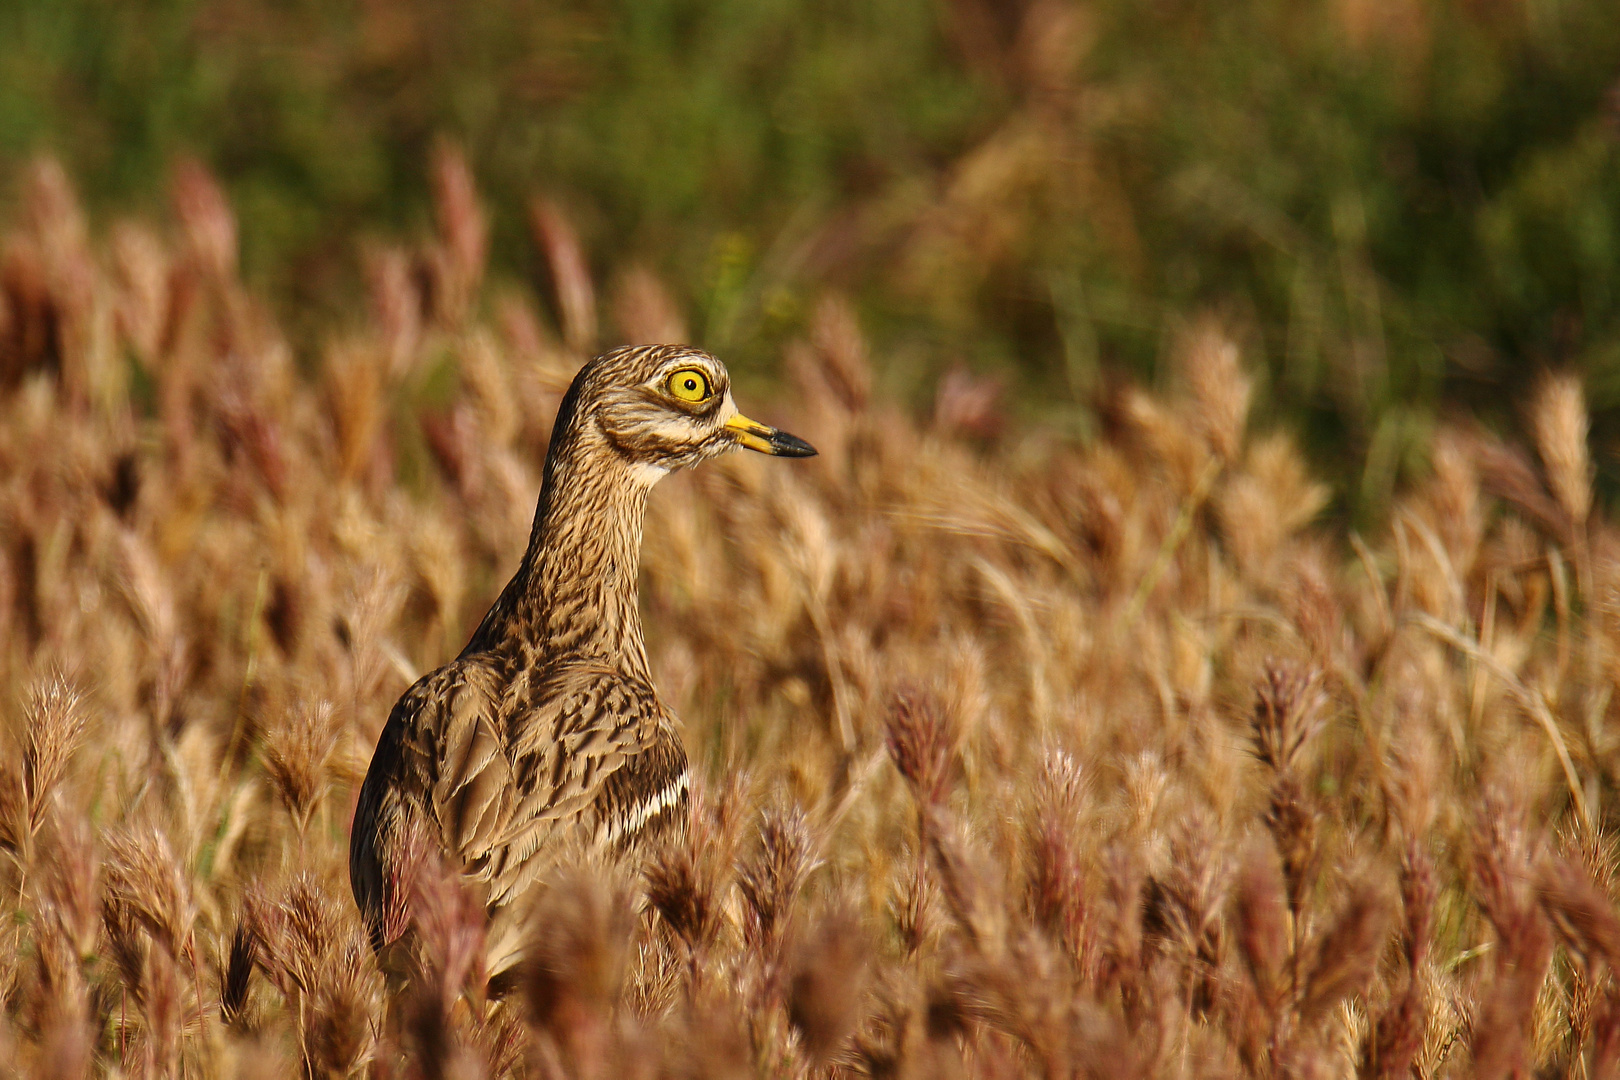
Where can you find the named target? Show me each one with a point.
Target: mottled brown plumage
(545, 739)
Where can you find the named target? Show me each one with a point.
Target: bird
(545, 738)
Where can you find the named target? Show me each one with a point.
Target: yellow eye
(689, 384)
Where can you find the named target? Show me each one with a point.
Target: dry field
(1018, 757)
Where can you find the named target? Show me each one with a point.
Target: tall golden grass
(1017, 757)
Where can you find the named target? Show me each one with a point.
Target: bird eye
(689, 384)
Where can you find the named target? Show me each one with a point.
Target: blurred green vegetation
(1399, 207)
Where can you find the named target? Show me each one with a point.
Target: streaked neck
(574, 596)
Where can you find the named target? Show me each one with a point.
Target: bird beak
(768, 440)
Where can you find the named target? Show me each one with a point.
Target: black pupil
(691, 384)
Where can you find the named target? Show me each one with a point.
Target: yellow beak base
(766, 439)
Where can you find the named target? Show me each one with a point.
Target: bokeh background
(1400, 208)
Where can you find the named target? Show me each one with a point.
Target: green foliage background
(1401, 207)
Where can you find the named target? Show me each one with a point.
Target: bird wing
(516, 766)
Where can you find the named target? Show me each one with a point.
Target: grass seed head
(771, 876)
(1347, 952)
(450, 929)
(462, 230)
(1559, 422)
(1210, 364)
(1583, 914)
(297, 757)
(644, 310)
(236, 982)
(55, 727)
(1057, 884)
(1288, 713)
(826, 986)
(842, 350)
(921, 743)
(206, 219)
(578, 960)
(225, 534)
(1263, 924)
(148, 889)
(343, 1013)
(575, 295)
(71, 885)
(687, 878)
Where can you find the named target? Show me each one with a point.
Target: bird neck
(574, 596)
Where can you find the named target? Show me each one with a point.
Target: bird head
(665, 407)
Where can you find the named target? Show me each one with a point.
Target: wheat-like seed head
(1558, 419)
(1188, 778)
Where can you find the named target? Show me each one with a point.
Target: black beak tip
(785, 445)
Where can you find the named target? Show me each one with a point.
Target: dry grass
(1018, 757)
